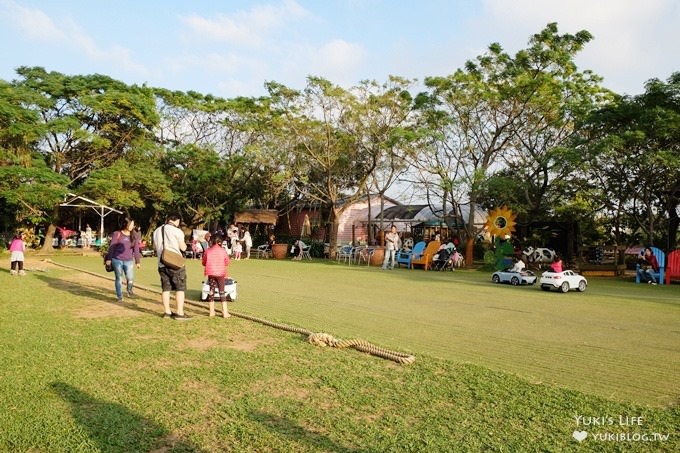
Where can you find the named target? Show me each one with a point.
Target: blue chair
(406, 256)
(346, 254)
(661, 259)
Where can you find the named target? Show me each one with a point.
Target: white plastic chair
(305, 252)
(263, 251)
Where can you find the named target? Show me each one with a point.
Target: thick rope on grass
(317, 339)
(324, 339)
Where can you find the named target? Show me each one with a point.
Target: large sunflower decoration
(501, 222)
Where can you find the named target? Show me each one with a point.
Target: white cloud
(338, 57)
(39, 26)
(246, 28)
(33, 23)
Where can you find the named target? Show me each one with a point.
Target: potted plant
(280, 251)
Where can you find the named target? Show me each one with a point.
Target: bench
(661, 259)
(673, 266)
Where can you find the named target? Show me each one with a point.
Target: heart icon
(580, 435)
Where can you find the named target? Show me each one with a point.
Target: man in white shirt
(170, 237)
(392, 244)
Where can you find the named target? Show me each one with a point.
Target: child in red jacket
(215, 259)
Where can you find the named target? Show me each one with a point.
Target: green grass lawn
(497, 368)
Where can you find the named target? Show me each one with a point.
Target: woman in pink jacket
(216, 259)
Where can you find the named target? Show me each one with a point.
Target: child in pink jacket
(215, 259)
(16, 259)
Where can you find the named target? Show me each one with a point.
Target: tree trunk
(49, 237)
(369, 233)
(673, 227)
(333, 237)
(469, 250)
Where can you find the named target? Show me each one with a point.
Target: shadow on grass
(285, 427)
(96, 293)
(113, 427)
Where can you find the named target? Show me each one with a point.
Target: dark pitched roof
(402, 212)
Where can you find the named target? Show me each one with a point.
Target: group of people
(124, 255)
(238, 243)
(393, 244)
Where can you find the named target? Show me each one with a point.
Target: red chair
(672, 266)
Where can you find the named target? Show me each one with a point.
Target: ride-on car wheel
(581, 286)
(514, 281)
(495, 278)
(565, 287)
(545, 288)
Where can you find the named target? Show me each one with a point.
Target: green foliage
(516, 130)
(32, 191)
(129, 185)
(634, 157)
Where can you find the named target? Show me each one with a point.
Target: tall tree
(383, 121)
(497, 106)
(211, 148)
(329, 165)
(634, 149)
(29, 190)
(89, 121)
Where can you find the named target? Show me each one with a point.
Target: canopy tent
(78, 201)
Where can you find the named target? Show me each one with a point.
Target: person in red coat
(216, 260)
(648, 266)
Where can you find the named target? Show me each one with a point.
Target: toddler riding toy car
(524, 277)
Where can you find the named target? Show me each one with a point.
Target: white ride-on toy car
(564, 281)
(524, 277)
(229, 289)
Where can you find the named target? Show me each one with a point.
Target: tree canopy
(529, 131)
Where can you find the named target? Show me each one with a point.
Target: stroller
(229, 289)
(442, 260)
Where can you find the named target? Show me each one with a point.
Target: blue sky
(230, 48)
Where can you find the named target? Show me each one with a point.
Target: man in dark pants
(172, 238)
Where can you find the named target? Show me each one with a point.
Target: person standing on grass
(216, 261)
(88, 237)
(247, 241)
(392, 244)
(171, 237)
(123, 255)
(16, 259)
